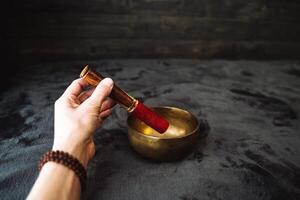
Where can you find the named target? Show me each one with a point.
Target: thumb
(102, 90)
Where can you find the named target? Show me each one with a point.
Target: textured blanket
(249, 115)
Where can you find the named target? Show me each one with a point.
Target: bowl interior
(182, 123)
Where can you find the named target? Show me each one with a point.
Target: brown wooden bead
(67, 160)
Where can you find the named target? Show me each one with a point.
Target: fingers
(75, 88)
(106, 109)
(85, 95)
(102, 90)
(103, 115)
(107, 104)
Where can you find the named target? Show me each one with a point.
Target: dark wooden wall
(44, 30)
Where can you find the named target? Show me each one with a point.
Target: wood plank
(76, 26)
(86, 49)
(256, 9)
(150, 28)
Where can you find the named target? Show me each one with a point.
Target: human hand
(78, 114)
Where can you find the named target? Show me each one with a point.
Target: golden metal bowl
(180, 138)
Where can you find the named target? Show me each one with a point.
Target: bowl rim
(157, 137)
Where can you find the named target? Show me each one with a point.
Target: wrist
(77, 150)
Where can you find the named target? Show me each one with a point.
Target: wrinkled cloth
(249, 122)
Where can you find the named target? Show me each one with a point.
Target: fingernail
(108, 82)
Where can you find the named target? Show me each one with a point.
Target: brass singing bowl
(180, 138)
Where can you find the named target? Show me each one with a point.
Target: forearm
(56, 182)
(78, 113)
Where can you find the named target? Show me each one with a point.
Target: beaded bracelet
(67, 160)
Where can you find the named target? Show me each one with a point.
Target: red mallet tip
(150, 118)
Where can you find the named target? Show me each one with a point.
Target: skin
(78, 113)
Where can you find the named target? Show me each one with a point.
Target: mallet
(132, 105)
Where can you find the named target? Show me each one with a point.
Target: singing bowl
(180, 138)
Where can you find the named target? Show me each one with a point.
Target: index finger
(76, 87)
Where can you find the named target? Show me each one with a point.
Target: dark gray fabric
(249, 111)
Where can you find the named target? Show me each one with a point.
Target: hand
(78, 114)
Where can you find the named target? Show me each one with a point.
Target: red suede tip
(150, 118)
